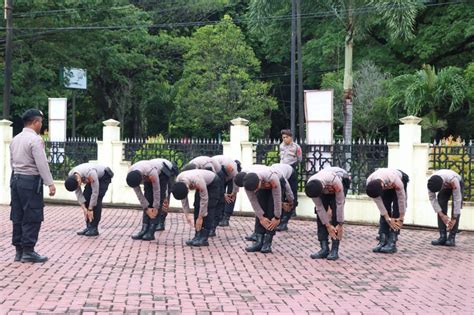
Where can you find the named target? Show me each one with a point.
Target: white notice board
(318, 105)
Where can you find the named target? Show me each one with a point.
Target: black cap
(134, 178)
(71, 183)
(313, 188)
(30, 114)
(180, 191)
(435, 183)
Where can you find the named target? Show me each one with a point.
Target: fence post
(6, 135)
(402, 156)
(109, 153)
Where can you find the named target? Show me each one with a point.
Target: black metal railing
(63, 156)
(359, 159)
(459, 158)
(179, 150)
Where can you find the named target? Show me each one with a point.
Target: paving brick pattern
(114, 274)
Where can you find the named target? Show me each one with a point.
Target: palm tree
(356, 17)
(430, 95)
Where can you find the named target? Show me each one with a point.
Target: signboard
(57, 114)
(319, 116)
(74, 78)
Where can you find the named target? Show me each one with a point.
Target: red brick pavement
(114, 274)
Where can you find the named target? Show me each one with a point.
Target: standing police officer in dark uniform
(29, 171)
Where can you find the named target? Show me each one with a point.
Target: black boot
(190, 242)
(160, 226)
(139, 235)
(323, 253)
(92, 231)
(29, 255)
(19, 253)
(334, 254)
(252, 237)
(83, 231)
(382, 242)
(257, 246)
(391, 246)
(283, 226)
(267, 243)
(212, 232)
(451, 241)
(225, 220)
(202, 239)
(442, 237)
(150, 234)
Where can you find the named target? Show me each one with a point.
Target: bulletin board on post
(57, 114)
(319, 112)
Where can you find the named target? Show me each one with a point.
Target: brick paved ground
(114, 274)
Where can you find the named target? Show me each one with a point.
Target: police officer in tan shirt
(30, 171)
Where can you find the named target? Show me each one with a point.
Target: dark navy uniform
(30, 171)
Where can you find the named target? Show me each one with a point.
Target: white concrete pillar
(6, 135)
(109, 153)
(402, 157)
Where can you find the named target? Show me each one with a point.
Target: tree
(217, 85)
(431, 95)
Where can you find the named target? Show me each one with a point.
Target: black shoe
(225, 220)
(451, 241)
(160, 226)
(202, 238)
(382, 242)
(32, 256)
(93, 231)
(252, 237)
(323, 252)
(391, 246)
(212, 232)
(334, 254)
(83, 231)
(18, 253)
(190, 242)
(150, 234)
(442, 238)
(267, 243)
(283, 226)
(139, 235)
(257, 246)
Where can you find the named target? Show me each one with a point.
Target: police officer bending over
(96, 179)
(29, 171)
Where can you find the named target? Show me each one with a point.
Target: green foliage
(217, 85)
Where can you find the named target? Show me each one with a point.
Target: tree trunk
(347, 101)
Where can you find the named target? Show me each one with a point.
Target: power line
(359, 11)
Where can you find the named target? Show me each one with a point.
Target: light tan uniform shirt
(332, 184)
(92, 172)
(28, 156)
(266, 175)
(451, 180)
(204, 162)
(285, 171)
(391, 179)
(200, 179)
(290, 154)
(151, 168)
(230, 169)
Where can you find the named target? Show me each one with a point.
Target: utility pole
(292, 61)
(7, 88)
(300, 72)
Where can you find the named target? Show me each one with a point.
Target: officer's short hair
(71, 183)
(134, 178)
(239, 179)
(435, 183)
(188, 167)
(30, 115)
(286, 132)
(179, 190)
(239, 166)
(251, 181)
(313, 188)
(374, 188)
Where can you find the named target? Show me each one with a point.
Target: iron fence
(459, 158)
(360, 159)
(179, 150)
(63, 156)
